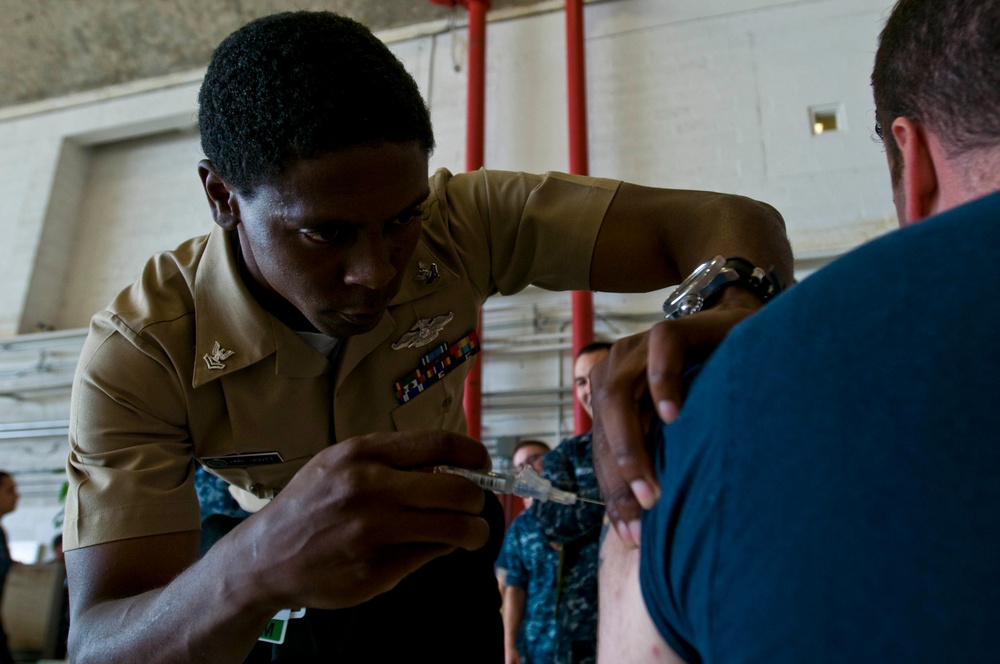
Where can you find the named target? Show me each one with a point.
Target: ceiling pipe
(579, 163)
(474, 150)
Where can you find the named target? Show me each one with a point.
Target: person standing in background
(526, 453)
(8, 502)
(574, 530)
(528, 566)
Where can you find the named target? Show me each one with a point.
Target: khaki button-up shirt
(185, 365)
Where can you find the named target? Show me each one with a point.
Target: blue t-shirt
(831, 491)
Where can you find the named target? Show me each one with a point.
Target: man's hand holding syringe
(526, 484)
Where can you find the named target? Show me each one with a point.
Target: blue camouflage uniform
(577, 527)
(214, 497)
(220, 512)
(532, 565)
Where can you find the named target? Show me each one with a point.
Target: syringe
(527, 484)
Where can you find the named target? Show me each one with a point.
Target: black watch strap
(765, 285)
(701, 289)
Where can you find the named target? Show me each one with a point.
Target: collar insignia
(214, 360)
(428, 274)
(423, 332)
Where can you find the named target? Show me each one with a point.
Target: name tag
(242, 460)
(276, 628)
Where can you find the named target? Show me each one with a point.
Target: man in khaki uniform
(336, 302)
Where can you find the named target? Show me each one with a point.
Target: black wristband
(765, 285)
(702, 287)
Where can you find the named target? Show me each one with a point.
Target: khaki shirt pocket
(437, 407)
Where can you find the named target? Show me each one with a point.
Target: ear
(222, 197)
(920, 180)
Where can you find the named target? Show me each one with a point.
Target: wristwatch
(697, 291)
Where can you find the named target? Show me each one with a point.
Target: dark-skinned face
(325, 245)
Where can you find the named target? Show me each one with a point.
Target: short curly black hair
(297, 85)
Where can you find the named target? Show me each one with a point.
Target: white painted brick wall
(710, 95)
(27, 170)
(31, 151)
(57, 242)
(142, 196)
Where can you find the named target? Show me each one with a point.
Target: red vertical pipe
(583, 334)
(576, 75)
(474, 149)
(475, 130)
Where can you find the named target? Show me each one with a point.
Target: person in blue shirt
(528, 567)
(830, 491)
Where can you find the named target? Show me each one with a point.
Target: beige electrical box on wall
(33, 604)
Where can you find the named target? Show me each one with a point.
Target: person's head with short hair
(936, 78)
(296, 85)
(529, 453)
(585, 360)
(318, 143)
(8, 493)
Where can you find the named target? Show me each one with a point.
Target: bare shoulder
(626, 633)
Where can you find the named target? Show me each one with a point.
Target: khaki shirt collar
(227, 314)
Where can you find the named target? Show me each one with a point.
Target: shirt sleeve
(130, 467)
(536, 229)
(679, 561)
(513, 556)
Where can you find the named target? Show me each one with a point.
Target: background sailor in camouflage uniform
(575, 529)
(528, 565)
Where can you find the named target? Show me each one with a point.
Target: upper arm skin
(515, 600)
(652, 238)
(127, 567)
(626, 633)
(112, 588)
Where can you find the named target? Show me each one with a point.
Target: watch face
(689, 297)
